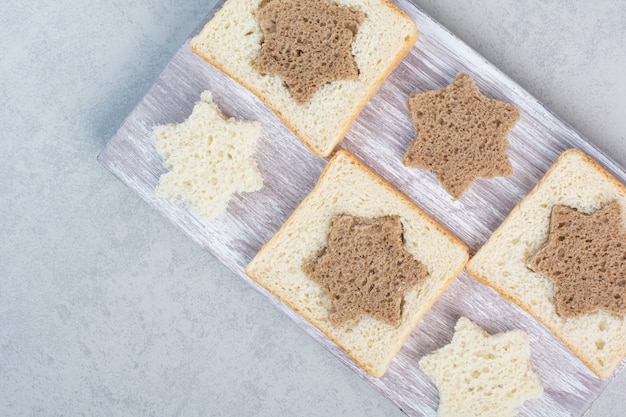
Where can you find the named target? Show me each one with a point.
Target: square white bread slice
(577, 181)
(232, 40)
(347, 186)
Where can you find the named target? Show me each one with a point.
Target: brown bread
(308, 44)
(365, 268)
(461, 135)
(585, 257)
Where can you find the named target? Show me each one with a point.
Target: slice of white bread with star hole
(576, 181)
(232, 40)
(347, 186)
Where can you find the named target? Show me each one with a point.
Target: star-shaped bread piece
(585, 257)
(365, 269)
(461, 135)
(307, 43)
(209, 158)
(482, 375)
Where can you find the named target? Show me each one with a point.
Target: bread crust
(478, 276)
(354, 112)
(441, 229)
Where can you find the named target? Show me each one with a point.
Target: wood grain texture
(379, 137)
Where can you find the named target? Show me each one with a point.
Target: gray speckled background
(108, 309)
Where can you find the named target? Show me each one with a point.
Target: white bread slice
(577, 181)
(209, 158)
(484, 375)
(232, 39)
(348, 186)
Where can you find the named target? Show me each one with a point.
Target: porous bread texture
(585, 257)
(577, 181)
(482, 375)
(307, 43)
(209, 157)
(365, 268)
(348, 186)
(460, 134)
(231, 41)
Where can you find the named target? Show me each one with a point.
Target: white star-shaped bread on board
(478, 374)
(209, 157)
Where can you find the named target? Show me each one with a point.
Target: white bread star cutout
(479, 374)
(209, 157)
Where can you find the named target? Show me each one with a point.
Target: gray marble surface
(107, 309)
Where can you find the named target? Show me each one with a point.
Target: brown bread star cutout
(460, 134)
(307, 43)
(585, 257)
(365, 269)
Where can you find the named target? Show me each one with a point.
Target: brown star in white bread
(365, 269)
(308, 43)
(585, 257)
